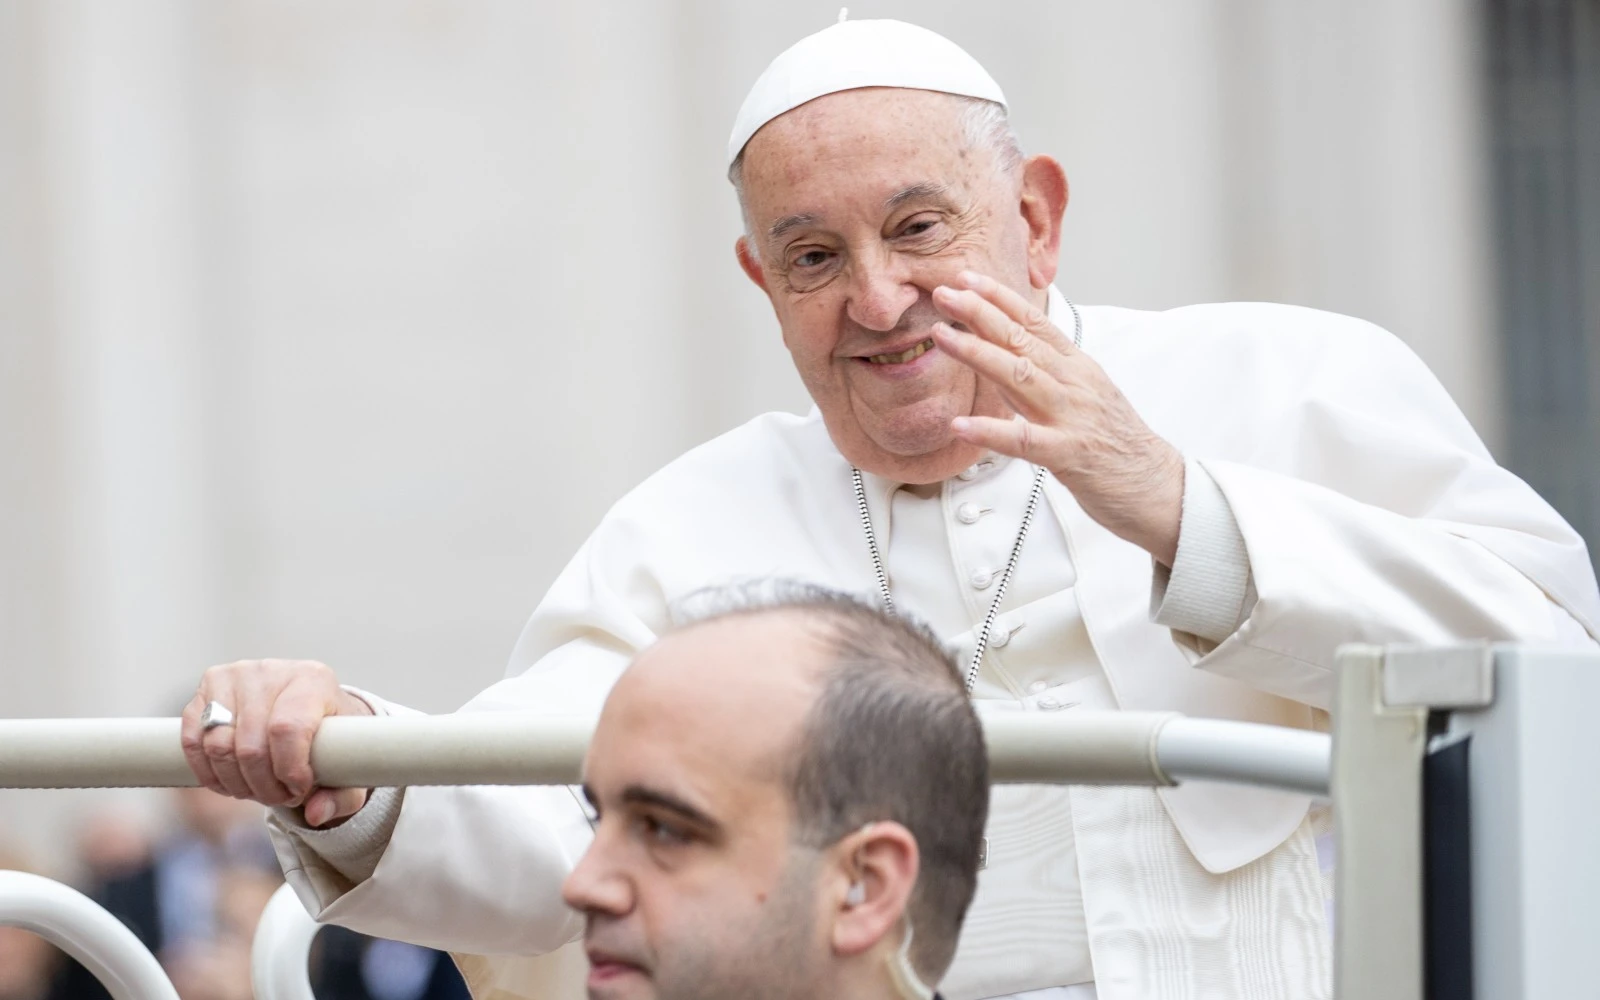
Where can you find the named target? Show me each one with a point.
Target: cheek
(811, 331)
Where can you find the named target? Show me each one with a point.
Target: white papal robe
(1335, 494)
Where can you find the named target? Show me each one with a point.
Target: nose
(598, 886)
(880, 292)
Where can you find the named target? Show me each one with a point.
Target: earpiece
(856, 895)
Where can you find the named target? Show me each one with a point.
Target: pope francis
(1097, 507)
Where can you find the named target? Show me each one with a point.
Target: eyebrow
(917, 192)
(790, 222)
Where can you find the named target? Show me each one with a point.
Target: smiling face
(860, 204)
(693, 887)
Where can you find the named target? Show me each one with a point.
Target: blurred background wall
(329, 330)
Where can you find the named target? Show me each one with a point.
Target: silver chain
(1000, 584)
(1016, 546)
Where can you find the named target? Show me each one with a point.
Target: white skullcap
(854, 54)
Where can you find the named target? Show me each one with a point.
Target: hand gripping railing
(83, 929)
(1092, 748)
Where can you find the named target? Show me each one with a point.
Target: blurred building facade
(329, 331)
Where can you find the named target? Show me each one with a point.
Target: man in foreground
(789, 800)
(1100, 508)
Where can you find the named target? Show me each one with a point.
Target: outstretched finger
(1016, 306)
(1031, 390)
(985, 319)
(1017, 438)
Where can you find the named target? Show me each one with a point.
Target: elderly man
(789, 801)
(1098, 507)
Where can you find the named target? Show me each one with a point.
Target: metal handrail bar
(1080, 747)
(87, 931)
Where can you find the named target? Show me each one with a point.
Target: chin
(923, 432)
(935, 461)
(910, 447)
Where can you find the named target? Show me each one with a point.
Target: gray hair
(892, 736)
(984, 125)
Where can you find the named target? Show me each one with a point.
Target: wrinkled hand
(1074, 421)
(266, 754)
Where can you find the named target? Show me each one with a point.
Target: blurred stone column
(138, 612)
(1358, 181)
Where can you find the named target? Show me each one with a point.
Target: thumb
(328, 805)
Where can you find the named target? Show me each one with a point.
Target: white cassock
(1335, 494)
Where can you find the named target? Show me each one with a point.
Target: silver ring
(216, 715)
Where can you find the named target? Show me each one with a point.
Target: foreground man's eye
(660, 833)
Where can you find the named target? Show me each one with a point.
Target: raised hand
(1071, 418)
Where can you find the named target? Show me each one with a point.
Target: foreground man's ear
(749, 263)
(877, 870)
(1044, 199)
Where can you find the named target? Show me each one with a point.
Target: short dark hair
(891, 736)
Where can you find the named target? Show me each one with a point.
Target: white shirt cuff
(1208, 591)
(354, 847)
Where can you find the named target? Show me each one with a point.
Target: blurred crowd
(194, 894)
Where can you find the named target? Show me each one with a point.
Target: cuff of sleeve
(1207, 592)
(352, 848)
(347, 854)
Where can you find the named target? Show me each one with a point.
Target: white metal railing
(1121, 748)
(280, 955)
(85, 930)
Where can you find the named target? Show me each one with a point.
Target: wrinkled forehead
(870, 141)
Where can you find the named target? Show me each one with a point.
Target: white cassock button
(1038, 687)
(968, 513)
(972, 472)
(1000, 638)
(1048, 704)
(982, 578)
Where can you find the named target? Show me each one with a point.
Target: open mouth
(902, 357)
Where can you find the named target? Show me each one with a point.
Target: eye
(918, 228)
(661, 833)
(807, 268)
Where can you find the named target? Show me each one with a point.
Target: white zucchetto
(850, 55)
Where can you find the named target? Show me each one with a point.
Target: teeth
(903, 356)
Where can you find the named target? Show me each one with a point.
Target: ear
(749, 263)
(882, 859)
(1044, 199)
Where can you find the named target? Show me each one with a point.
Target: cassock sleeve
(480, 869)
(1207, 593)
(1370, 512)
